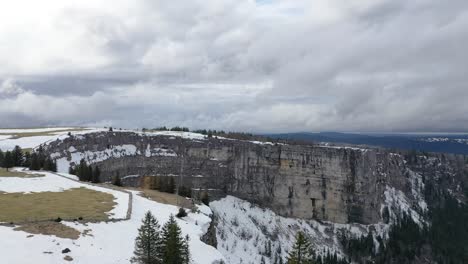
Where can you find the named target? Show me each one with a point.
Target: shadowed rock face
(313, 182)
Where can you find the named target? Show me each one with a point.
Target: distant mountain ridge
(450, 143)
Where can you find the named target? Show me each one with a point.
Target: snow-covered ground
(63, 163)
(8, 142)
(187, 135)
(24, 142)
(107, 243)
(247, 233)
(33, 130)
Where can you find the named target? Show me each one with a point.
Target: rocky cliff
(337, 184)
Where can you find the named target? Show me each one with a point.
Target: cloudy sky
(243, 65)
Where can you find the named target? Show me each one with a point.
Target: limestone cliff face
(313, 182)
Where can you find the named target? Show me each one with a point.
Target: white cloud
(10, 88)
(243, 65)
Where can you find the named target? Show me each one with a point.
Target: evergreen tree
(148, 244)
(71, 170)
(27, 159)
(50, 165)
(186, 250)
(35, 163)
(17, 155)
(301, 252)
(96, 175)
(8, 161)
(90, 173)
(205, 198)
(175, 250)
(2, 157)
(116, 181)
(54, 166)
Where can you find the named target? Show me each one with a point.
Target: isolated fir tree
(301, 252)
(148, 244)
(176, 249)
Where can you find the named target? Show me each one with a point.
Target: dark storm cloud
(241, 65)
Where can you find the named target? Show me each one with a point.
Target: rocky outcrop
(313, 182)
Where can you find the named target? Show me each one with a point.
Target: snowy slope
(107, 243)
(249, 234)
(33, 130)
(8, 142)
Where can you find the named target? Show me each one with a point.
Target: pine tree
(96, 175)
(54, 166)
(90, 173)
(27, 159)
(50, 165)
(148, 244)
(2, 157)
(35, 163)
(176, 249)
(186, 250)
(205, 198)
(116, 181)
(17, 155)
(301, 252)
(8, 161)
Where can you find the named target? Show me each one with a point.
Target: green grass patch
(70, 204)
(19, 174)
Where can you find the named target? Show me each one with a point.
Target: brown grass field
(69, 204)
(19, 174)
(50, 228)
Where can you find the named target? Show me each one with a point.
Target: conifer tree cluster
(35, 161)
(86, 172)
(156, 245)
(444, 240)
(162, 183)
(303, 253)
(117, 181)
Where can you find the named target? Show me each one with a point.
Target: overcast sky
(243, 65)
